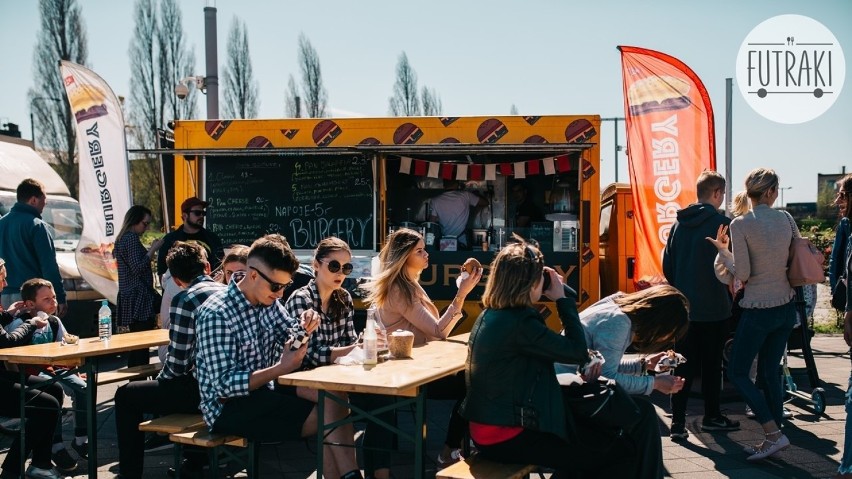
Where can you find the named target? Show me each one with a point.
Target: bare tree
(404, 101)
(513, 110)
(292, 108)
(62, 36)
(316, 97)
(241, 90)
(431, 102)
(176, 61)
(144, 112)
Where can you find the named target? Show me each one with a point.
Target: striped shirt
(332, 332)
(180, 359)
(234, 340)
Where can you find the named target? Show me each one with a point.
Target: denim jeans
(763, 331)
(75, 387)
(846, 460)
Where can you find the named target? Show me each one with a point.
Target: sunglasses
(334, 266)
(273, 286)
(146, 223)
(198, 212)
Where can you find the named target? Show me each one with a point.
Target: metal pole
(615, 120)
(212, 79)
(32, 124)
(729, 187)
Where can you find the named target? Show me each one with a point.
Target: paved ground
(817, 441)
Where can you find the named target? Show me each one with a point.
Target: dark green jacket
(509, 372)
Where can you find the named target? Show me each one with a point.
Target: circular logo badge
(790, 69)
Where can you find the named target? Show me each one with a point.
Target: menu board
(305, 199)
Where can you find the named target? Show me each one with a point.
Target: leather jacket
(510, 374)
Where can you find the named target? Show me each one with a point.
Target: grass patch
(828, 328)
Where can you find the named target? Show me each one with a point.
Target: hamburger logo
(657, 93)
(531, 120)
(259, 142)
(290, 133)
(370, 141)
(491, 130)
(98, 259)
(215, 128)
(325, 132)
(535, 139)
(580, 131)
(407, 134)
(87, 102)
(448, 120)
(450, 139)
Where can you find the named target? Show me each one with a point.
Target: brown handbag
(805, 261)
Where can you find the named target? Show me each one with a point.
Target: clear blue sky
(545, 57)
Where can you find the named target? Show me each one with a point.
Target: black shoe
(188, 470)
(678, 431)
(720, 423)
(82, 450)
(156, 442)
(63, 461)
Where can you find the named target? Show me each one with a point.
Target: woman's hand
(652, 360)
(722, 240)
(470, 282)
(591, 371)
(668, 384)
(556, 291)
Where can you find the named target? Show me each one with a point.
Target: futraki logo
(790, 69)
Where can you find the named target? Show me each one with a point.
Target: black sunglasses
(334, 266)
(198, 212)
(273, 286)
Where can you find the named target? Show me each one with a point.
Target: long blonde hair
(394, 274)
(759, 182)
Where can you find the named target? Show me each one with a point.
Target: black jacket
(688, 262)
(510, 376)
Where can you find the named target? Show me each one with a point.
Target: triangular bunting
(420, 167)
(505, 169)
(405, 165)
(447, 171)
(563, 164)
(461, 172)
(490, 172)
(434, 167)
(549, 168)
(533, 167)
(520, 170)
(477, 172)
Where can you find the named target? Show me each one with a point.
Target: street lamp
(782, 193)
(32, 101)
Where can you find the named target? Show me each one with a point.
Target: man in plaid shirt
(244, 344)
(175, 390)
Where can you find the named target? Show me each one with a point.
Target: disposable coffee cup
(400, 343)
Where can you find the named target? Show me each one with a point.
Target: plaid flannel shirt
(331, 331)
(234, 339)
(180, 359)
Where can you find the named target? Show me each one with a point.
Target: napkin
(355, 357)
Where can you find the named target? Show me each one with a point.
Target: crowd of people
(236, 323)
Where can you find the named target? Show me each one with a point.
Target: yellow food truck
(361, 178)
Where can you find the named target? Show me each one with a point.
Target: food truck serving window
(304, 198)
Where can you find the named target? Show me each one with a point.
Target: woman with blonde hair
(403, 304)
(838, 270)
(760, 237)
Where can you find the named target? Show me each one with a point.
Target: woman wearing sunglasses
(403, 304)
(233, 263)
(325, 297)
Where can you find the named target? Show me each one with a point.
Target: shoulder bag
(804, 263)
(601, 403)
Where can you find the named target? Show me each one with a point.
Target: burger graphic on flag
(87, 101)
(657, 93)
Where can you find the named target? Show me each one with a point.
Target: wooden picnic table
(404, 378)
(81, 358)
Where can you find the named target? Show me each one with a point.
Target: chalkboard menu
(305, 199)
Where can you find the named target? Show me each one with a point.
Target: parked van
(62, 213)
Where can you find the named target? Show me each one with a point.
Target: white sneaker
(769, 448)
(749, 413)
(39, 473)
(455, 456)
(786, 413)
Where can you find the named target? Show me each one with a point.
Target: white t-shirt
(452, 208)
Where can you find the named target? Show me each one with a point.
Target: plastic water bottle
(371, 350)
(104, 322)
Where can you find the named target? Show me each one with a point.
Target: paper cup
(400, 343)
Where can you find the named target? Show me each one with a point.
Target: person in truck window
(451, 209)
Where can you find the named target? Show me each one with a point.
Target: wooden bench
(476, 467)
(128, 374)
(215, 442)
(173, 424)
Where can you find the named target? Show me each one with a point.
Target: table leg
(23, 423)
(91, 416)
(420, 433)
(320, 429)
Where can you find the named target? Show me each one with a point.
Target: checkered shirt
(234, 339)
(180, 359)
(331, 332)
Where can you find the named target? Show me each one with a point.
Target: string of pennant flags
(463, 172)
